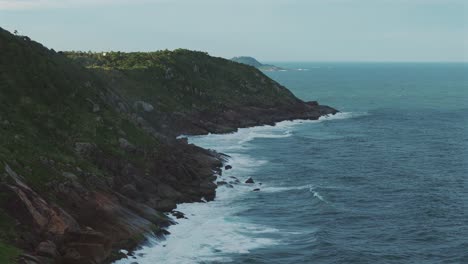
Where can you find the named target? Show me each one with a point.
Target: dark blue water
(385, 182)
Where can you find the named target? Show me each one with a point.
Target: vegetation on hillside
(126, 107)
(47, 105)
(183, 80)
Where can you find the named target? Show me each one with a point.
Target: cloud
(44, 4)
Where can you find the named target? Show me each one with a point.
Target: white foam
(212, 230)
(273, 189)
(236, 141)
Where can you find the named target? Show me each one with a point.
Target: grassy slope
(184, 80)
(44, 109)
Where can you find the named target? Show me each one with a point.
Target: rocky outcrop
(113, 216)
(200, 123)
(33, 210)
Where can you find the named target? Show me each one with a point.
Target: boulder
(256, 189)
(147, 107)
(178, 214)
(223, 183)
(47, 249)
(86, 246)
(227, 167)
(249, 180)
(125, 145)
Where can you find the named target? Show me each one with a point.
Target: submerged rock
(223, 183)
(256, 189)
(235, 179)
(228, 167)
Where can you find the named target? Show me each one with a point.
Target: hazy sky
(271, 30)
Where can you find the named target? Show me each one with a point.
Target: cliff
(88, 155)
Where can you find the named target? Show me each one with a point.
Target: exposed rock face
(31, 208)
(116, 215)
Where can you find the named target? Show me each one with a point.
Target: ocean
(384, 181)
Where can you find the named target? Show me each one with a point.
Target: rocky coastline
(89, 160)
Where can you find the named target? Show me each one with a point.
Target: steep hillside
(193, 93)
(76, 173)
(88, 155)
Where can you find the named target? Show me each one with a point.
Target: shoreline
(154, 241)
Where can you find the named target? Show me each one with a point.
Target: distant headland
(255, 63)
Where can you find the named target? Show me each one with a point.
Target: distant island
(255, 63)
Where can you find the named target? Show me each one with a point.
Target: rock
(31, 209)
(147, 107)
(178, 214)
(208, 190)
(249, 180)
(69, 176)
(228, 167)
(221, 183)
(256, 189)
(29, 259)
(47, 249)
(125, 145)
(86, 247)
(130, 191)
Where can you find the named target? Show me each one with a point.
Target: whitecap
(213, 230)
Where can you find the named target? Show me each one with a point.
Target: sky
(270, 30)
